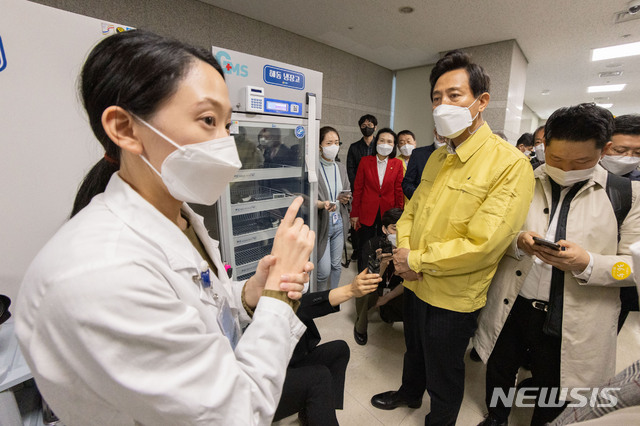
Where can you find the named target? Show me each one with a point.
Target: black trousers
(316, 384)
(522, 330)
(436, 340)
(628, 303)
(365, 233)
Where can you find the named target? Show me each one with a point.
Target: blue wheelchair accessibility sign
(3, 57)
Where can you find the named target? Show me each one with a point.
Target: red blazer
(368, 196)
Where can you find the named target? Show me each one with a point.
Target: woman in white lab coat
(127, 315)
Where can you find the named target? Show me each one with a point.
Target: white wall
(530, 120)
(47, 145)
(413, 103)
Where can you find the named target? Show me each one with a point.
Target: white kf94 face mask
(620, 164)
(437, 143)
(407, 149)
(384, 149)
(452, 120)
(330, 152)
(198, 172)
(569, 178)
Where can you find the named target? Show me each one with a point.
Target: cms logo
(3, 58)
(229, 67)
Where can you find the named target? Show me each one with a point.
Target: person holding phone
(334, 204)
(556, 292)
(127, 315)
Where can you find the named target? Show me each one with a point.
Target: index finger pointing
(292, 211)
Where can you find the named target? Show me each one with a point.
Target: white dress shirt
(382, 168)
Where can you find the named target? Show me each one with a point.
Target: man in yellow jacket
(473, 198)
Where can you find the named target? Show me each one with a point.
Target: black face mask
(367, 131)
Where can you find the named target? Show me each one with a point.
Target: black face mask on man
(367, 131)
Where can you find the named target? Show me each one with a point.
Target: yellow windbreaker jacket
(462, 217)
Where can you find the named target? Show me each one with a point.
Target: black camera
(373, 265)
(386, 246)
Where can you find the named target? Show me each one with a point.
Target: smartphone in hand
(547, 243)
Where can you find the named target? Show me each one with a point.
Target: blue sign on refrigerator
(283, 77)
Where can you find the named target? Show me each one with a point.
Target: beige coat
(591, 309)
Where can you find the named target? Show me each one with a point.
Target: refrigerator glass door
(271, 150)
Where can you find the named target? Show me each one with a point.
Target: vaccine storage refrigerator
(275, 121)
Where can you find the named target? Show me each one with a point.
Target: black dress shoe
(391, 399)
(361, 338)
(491, 420)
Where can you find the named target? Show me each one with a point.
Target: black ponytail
(136, 70)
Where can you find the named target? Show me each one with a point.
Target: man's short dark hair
(626, 125)
(580, 123)
(406, 132)
(391, 216)
(526, 139)
(479, 81)
(369, 117)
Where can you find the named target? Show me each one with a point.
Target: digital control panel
(254, 99)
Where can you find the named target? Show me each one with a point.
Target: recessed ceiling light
(605, 105)
(606, 88)
(545, 92)
(614, 65)
(406, 9)
(610, 74)
(619, 51)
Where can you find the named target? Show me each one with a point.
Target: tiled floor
(377, 367)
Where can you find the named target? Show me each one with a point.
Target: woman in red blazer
(372, 198)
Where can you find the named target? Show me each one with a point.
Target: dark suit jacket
(312, 305)
(368, 196)
(417, 161)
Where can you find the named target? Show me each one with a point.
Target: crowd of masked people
(523, 250)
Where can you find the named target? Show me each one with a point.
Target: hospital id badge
(228, 323)
(334, 218)
(386, 291)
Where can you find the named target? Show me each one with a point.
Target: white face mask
(620, 164)
(198, 172)
(407, 149)
(569, 178)
(393, 239)
(330, 152)
(452, 120)
(539, 150)
(384, 149)
(527, 153)
(437, 143)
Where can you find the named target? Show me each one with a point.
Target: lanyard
(335, 181)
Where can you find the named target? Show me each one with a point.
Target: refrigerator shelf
(261, 206)
(254, 237)
(246, 175)
(246, 270)
(245, 194)
(252, 222)
(245, 276)
(252, 253)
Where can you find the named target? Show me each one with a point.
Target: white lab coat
(117, 332)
